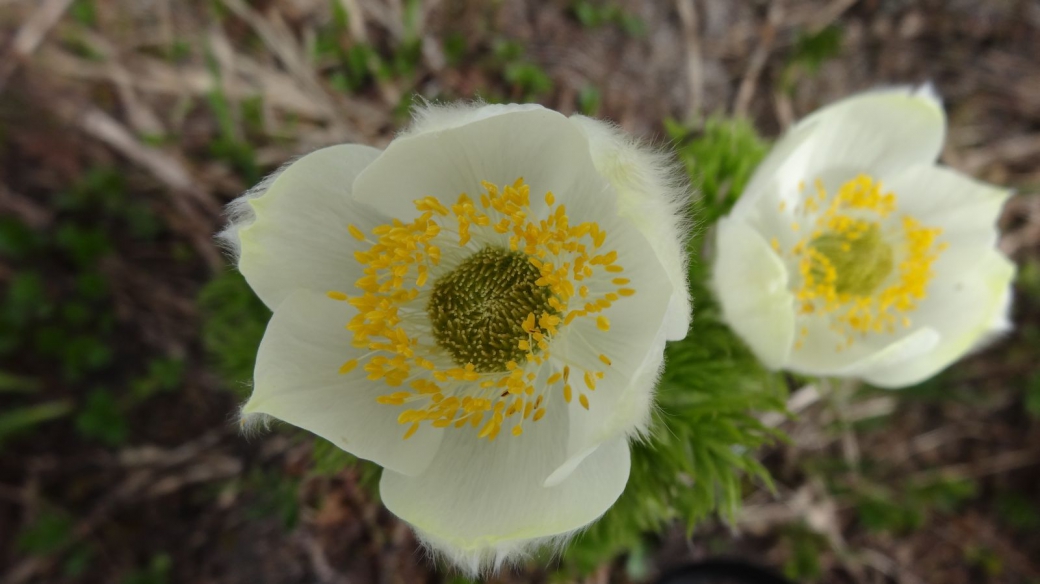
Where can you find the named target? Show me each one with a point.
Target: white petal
(906, 349)
(654, 197)
(879, 133)
(964, 306)
(482, 504)
(965, 209)
(290, 231)
(825, 352)
(539, 145)
(634, 344)
(434, 117)
(791, 153)
(297, 380)
(750, 283)
(1001, 321)
(619, 407)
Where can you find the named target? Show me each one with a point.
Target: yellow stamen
(411, 430)
(855, 268)
(568, 267)
(590, 381)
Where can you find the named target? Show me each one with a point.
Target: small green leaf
(78, 560)
(51, 530)
(1032, 398)
(234, 322)
(17, 240)
(101, 419)
(589, 99)
(156, 572)
(17, 384)
(1018, 511)
(23, 419)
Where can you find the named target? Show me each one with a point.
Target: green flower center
(478, 309)
(859, 256)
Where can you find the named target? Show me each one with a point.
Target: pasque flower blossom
(481, 308)
(851, 253)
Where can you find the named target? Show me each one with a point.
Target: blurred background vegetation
(126, 341)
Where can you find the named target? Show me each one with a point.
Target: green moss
(234, 320)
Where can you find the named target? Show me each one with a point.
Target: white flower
(851, 253)
(481, 309)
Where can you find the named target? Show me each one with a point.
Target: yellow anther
(411, 430)
(348, 366)
(528, 324)
(357, 233)
(590, 381)
(403, 258)
(848, 268)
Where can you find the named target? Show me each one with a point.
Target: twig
(799, 401)
(320, 562)
(1000, 463)
(694, 67)
(849, 444)
(355, 20)
(27, 210)
(823, 18)
(888, 567)
(758, 61)
(1011, 150)
(153, 455)
(31, 35)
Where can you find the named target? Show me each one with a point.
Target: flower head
(481, 309)
(851, 253)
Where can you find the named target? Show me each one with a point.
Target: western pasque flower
(851, 253)
(481, 308)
